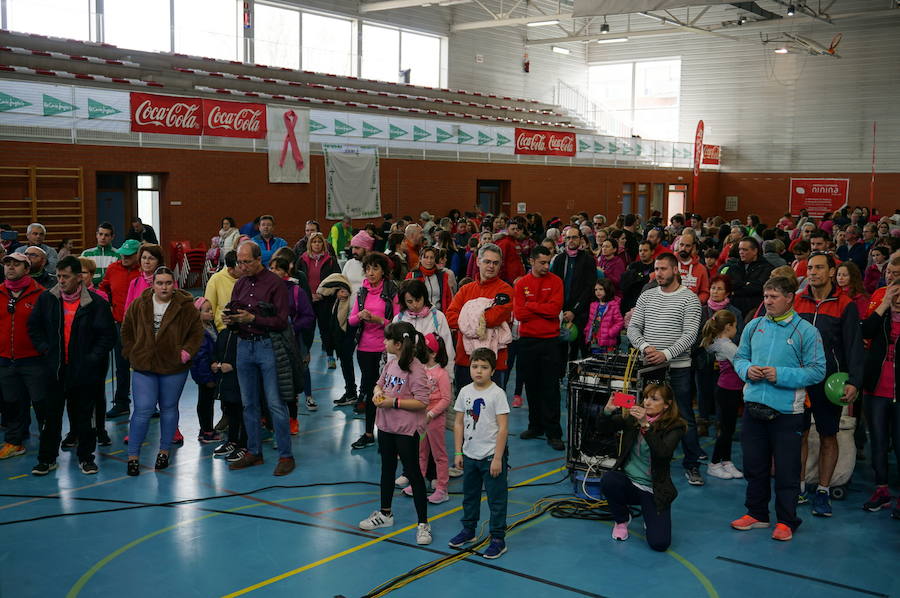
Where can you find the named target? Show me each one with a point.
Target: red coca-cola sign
(712, 154)
(544, 143)
(152, 113)
(234, 119)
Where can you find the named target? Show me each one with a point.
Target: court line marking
(364, 545)
(16, 477)
(801, 576)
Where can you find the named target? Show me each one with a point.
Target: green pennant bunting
(369, 130)
(583, 146)
(443, 135)
(463, 137)
(419, 134)
(599, 148)
(395, 132)
(638, 150)
(626, 149)
(613, 148)
(99, 110)
(502, 139)
(342, 128)
(53, 106)
(8, 102)
(315, 126)
(484, 138)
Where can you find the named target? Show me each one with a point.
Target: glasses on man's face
(570, 237)
(245, 262)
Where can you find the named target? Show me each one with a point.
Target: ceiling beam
(508, 22)
(394, 4)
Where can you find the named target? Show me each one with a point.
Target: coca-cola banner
(152, 113)
(234, 119)
(544, 143)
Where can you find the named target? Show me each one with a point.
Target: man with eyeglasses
(578, 272)
(115, 284)
(38, 271)
(22, 373)
(835, 316)
(259, 306)
(34, 237)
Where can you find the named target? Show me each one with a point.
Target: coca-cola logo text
(544, 142)
(179, 115)
(245, 119)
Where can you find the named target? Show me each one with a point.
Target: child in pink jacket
(601, 334)
(434, 443)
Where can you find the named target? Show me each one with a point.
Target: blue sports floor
(301, 539)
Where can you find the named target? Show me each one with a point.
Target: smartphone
(620, 399)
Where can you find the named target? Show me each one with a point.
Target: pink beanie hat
(199, 301)
(363, 239)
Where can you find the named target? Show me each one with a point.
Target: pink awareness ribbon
(290, 140)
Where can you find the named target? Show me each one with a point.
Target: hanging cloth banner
(287, 140)
(234, 119)
(351, 181)
(698, 158)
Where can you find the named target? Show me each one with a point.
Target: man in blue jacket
(779, 355)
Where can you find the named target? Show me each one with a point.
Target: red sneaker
(177, 438)
(295, 426)
(517, 401)
(782, 532)
(747, 522)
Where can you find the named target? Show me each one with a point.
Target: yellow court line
(84, 579)
(359, 547)
(16, 477)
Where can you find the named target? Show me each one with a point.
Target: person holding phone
(641, 476)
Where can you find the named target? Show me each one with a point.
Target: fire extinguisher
(526, 64)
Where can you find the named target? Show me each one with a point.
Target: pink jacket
(137, 286)
(611, 324)
(372, 339)
(439, 380)
(396, 383)
(613, 268)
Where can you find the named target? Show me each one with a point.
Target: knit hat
(364, 240)
(199, 301)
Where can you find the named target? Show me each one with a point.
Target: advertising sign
(818, 196)
(544, 143)
(234, 119)
(151, 113)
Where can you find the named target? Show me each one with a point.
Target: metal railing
(593, 114)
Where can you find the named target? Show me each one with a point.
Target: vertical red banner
(698, 159)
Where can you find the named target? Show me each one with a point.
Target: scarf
(148, 278)
(14, 286)
(718, 305)
(70, 297)
(420, 314)
(571, 252)
(426, 272)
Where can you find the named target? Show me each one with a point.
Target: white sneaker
(455, 472)
(423, 533)
(311, 404)
(377, 519)
(434, 484)
(401, 482)
(718, 470)
(730, 468)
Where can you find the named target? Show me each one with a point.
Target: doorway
(122, 196)
(675, 204)
(493, 196)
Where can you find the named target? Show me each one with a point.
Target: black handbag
(761, 412)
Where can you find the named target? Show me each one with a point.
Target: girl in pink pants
(433, 441)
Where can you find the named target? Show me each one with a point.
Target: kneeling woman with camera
(650, 434)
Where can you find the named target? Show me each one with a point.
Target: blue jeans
(477, 472)
(680, 379)
(255, 368)
(150, 390)
(620, 492)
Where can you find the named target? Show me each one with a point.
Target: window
(148, 200)
(276, 36)
(380, 53)
(207, 28)
(59, 18)
(328, 45)
(421, 54)
(146, 27)
(645, 94)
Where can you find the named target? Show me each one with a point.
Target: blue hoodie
(794, 347)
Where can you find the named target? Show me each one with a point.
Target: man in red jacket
(115, 284)
(537, 303)
(512, 268)
(22, 372)
(693, 274)
(491, 286)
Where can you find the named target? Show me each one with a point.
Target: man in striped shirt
(103, 254)
(663, 329)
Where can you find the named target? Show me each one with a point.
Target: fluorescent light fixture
(781, 50)
(542, 23)
(560, 50)
(791, 10)
(612, 40)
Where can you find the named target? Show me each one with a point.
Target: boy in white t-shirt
(479, 433)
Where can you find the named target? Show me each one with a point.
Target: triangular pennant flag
(443, 135)
(599, 148)
(369, 130)
(342, 128)
(315, 126)
(584, 146)
(638, 149)
(420, 134)
(56, 106)
(8, 102)
(613, 148)
(463, 137)
(502, 139)
(99, 110)
(396, 132)
(484, 138)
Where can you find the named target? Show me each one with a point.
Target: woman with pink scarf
(150, 257)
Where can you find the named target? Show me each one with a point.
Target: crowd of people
(751, 322)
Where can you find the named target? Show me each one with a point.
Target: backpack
(388, 292)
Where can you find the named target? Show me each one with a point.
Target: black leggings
(322, 310)
(237, 433)
(407, 448)
(206, 400)
(883, 418)
(727, 404)
(368, 367)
